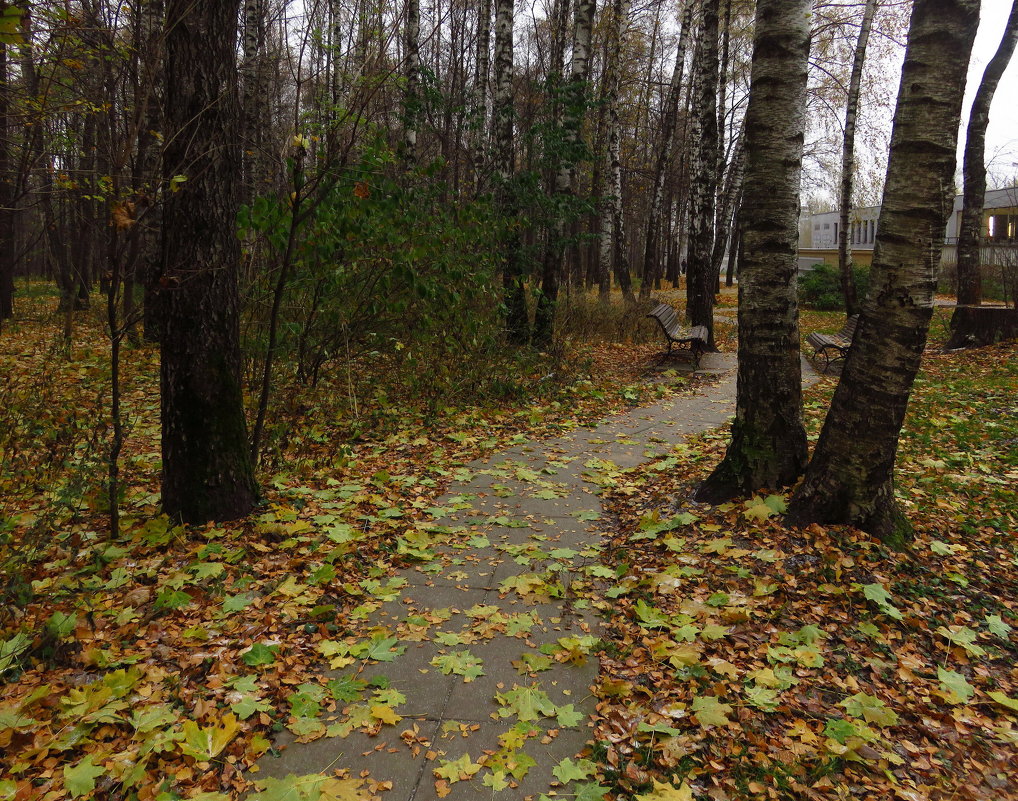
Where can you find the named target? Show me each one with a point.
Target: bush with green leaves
(820, 288)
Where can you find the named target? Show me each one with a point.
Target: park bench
(695, 338)
(834, 347)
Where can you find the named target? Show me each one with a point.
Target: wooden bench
(834, 347)
(695, 338)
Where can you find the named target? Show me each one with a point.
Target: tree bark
(612, 240)
(479, 123)
(970, 234)
(207, 472)
(7, 196)
(572, 119)
(700, 283)
(848, 161)
(850, 479)
(768, 447)
(412, 76)
(662, 162)
(517, 322)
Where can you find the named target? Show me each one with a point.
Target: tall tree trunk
(970, 282)
(850, 479)
(572, 119)
(253, 101)
(848, 161)
(612, 240)
(7, 195)
(700, 283)
(666, 141)
(517, 322)
(479, 122)
(150, 160)
(412, 78)
(207, 472)
(768, 447)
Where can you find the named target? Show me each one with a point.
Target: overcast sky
(1002, 134)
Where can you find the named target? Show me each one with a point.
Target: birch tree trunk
(479, 122)
(252, 101)
(700, 284)
(662, 163)
(517, 322)
(768, 447)
(970, 282)
(850, 479)
(412, 76)
(848, 161)
(574, 98)
(612, 240)
(207, 472)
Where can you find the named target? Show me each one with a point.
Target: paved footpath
(526, 532)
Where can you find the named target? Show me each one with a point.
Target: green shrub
(820, 288)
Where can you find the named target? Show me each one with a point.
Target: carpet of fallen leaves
(157, 665)
(748, 661)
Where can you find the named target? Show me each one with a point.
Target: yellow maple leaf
(667, 792)
(386, 714)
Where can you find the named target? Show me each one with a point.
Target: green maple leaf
(346, 688)
(758, 509)
(650, 616)
(454, 770)
(567, 716)
(963, 636)
(871, 709)
(462, 663)
(956, 685)
(708, 711)
(527, 703)
(997, 626)
(568, 771)
(941, 548)
(80, 779)
(381, 649)
(840, 730)
(248, 705)
(290, 788)
(205, 570)
(1004, 700)
(591, 791)
(762, 698)
(260, 654)
(235, 603)
(882, 598)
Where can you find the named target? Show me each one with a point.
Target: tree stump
(976, 326)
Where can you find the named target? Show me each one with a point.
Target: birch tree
(612, 239)
(768, 447)
(850, 479)
(848, 160)
(700, 283)
(662, 161)
(970, 283)
(574, 98)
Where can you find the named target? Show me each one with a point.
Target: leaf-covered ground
(754, 662)
(157, 665)
(748, 663)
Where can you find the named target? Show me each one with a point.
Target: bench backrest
(848, 332)
(665, 315)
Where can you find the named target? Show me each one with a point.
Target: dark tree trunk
(700, 283)
(207, 473)
(768, 447)
(850, 479)
(572, 148)
(970, 282)
(848, 161)
(7, 196)
(976, 326)
(662, 163)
